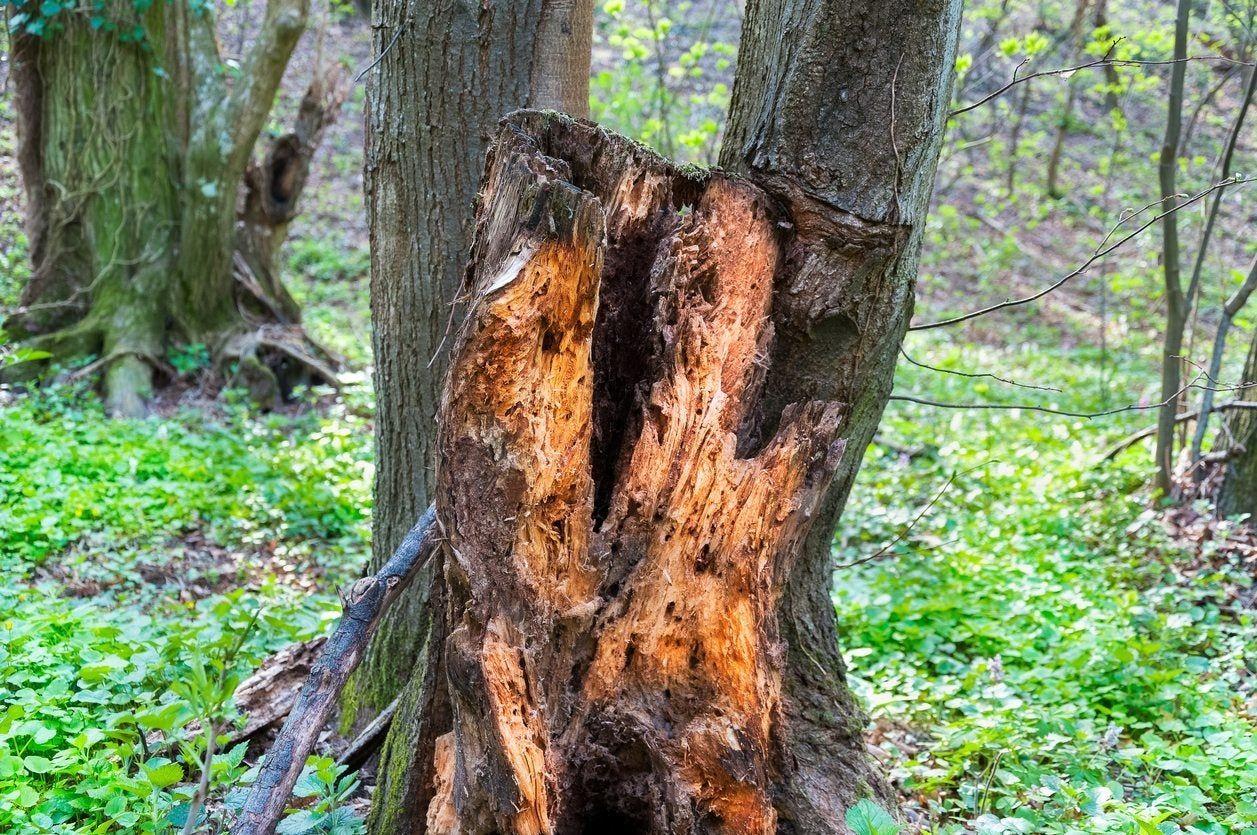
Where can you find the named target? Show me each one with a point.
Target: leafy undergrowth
(1037, 654)
(152, 565)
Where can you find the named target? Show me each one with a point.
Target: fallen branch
(364, 604)
(367, 742)
(1129, 441)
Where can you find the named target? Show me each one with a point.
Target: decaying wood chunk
(618, 538)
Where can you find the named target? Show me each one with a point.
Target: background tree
(135, 142)
(1176, 300)
(1238, 493)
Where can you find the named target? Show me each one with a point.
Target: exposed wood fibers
(620, 668)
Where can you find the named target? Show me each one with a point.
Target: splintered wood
(617, 545)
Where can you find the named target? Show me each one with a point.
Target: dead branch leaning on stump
(364, 604)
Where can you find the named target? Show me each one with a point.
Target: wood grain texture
(621, 661)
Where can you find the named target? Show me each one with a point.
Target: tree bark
(855, 166)
(424, 157)
(1175, 298)
(623, 528)
(474, 64)
(614, 656)
(133, 153)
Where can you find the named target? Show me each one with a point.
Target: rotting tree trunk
(617, 553)
(622, 526)
(133, 152)
(424, 158)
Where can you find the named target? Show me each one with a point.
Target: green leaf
(867, 818)
(163, 774)
(37, 765)
(299, 822)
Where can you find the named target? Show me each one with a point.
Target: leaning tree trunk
(133, 153)
(424, 158)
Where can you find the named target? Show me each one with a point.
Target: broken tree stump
(619, 531)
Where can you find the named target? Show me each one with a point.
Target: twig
(1133, 407)
(202, 789)
(1095, 256)
(385, 51)
(974, 376)
(1106, 61)
(366, 601)
(885, 549)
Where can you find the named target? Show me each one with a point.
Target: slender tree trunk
(133, 154)
(474, 64)
(657, 404)
(1075, 42)
(1233, 305)
(1175, 298)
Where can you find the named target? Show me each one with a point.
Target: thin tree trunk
(1175, 298)
(1232, 306)
(1075, 42)
(1240, 297)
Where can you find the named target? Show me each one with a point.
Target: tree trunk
(844, 131)
(1175, 298)
(424, 157)
(657, 405)
(614, 657)
(132, 195)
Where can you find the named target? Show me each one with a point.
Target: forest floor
(1040, 647)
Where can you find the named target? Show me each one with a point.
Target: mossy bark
(133, 154)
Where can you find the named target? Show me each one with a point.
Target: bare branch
(1143, 434)
(364, 604)
(1106, 61)
(885, 549)
(1096, 255)
(974, 376)
(251, 98)
(1133, 407)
